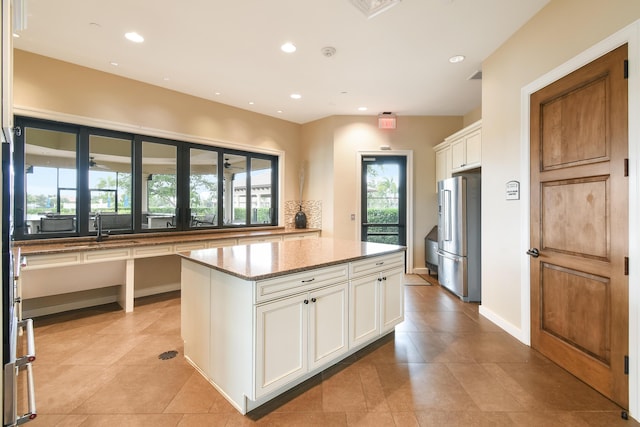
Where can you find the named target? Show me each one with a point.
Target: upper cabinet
(459, 152)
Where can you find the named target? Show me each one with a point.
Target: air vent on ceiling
(475, 76)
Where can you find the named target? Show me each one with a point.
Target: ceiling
(229, 52)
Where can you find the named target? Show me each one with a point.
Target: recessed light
(456, 59)
(251, 103)
(134, 37)
(362, 108)
(217, 93)
(16, 35)
(114, 63)
(166, 79)
(288, 47)
(295, 96)
(279, 111)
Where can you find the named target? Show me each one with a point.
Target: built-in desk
(57, 269)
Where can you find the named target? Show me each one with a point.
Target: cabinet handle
(313, 300)
(306, 301)
(380, 263)
(309, 280)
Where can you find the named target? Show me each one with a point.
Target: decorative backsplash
(312, 208)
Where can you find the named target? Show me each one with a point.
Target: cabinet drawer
(54, 260)
(107, 255)
(300, 236)
(249, 240)
(300, 282)
(221, 243)
(152, 251)
(376, 264)
(193, 246)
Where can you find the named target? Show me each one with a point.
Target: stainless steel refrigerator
(459, 235)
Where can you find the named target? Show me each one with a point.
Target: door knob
(534, 252)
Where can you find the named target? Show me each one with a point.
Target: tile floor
(444, 366)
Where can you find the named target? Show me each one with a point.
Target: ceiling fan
(228, 165)
(93, 164)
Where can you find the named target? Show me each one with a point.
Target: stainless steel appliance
(459, 235)
(17, 369)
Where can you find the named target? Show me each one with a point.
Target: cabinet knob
(384, 278)
(313, 300)
(379, 279)
(306, 301)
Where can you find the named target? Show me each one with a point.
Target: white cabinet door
(474, 149)
(364, 320)
(466, 152)
(443, 164)
(391, 300)
(281, 342)
(458, 154)
(328, 324)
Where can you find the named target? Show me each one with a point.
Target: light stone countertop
(260, 261)
(62, 245)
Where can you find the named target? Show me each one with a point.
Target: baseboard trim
(508, 327)
(59, 308)
(154, 290)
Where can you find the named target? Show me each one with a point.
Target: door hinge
(17, 131)
(626, 68)
(626, 365)
(626, 266)
(626, 167)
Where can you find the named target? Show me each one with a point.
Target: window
(110, 183)
(49, 200)
(160, 198)
(203, 188)
(66, 175)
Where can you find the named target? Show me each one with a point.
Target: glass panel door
(261, 209)
(383, 195)
(50, 182)
(159, 195)
(203, 187)
(110, 185)
(234, 170)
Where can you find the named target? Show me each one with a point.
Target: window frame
(182, 221)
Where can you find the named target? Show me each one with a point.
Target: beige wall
(49, 85)
(332, 146)
(325, 148)
(559, 32)
(472, 116)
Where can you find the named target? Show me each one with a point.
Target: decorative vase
(301, 219)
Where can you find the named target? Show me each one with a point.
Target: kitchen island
(258, 319)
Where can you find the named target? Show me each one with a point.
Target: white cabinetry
(443, 161)
(459, 152)
(466, 151)
(376, 299)
(297, 334)
(260, 338)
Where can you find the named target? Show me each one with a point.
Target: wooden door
(579, 224)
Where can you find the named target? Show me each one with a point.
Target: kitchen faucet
(100, 236)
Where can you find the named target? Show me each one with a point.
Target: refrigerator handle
(446, 202)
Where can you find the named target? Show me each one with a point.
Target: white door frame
(409, 179)
(630, 35)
